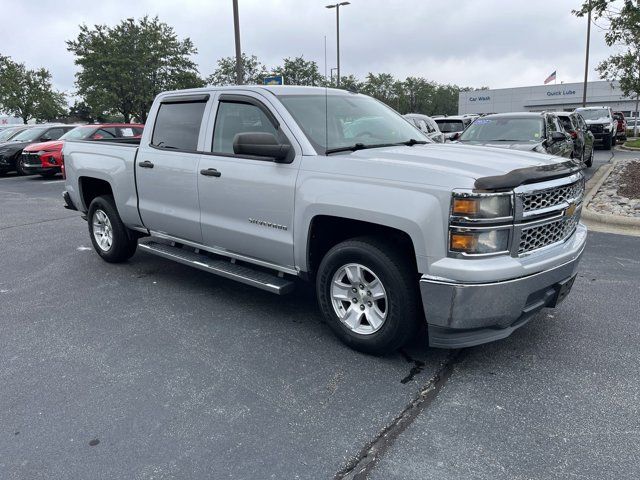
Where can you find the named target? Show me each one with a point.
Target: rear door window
(177, 125)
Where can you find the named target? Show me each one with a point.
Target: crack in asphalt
(367, 458)
(37, 223)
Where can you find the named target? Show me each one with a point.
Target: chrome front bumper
(466, 314)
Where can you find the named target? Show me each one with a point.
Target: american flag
(550, 78)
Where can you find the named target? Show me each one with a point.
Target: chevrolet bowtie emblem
(571, 209)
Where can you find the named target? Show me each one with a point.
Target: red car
(622, 125)
(46, 158)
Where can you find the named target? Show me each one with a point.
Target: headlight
(479, 242)
(480, 223)
(607, 128)
(482, 207)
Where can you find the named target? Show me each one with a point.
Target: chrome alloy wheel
(359, 299)
(102, 231)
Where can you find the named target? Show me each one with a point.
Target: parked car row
(37, 149)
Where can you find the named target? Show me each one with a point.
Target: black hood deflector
(522, 176)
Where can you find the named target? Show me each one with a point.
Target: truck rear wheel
(110, 238)
(368, 293)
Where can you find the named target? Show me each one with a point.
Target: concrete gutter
(600, 222)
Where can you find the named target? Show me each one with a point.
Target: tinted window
(102, 133)
(566, 123)
(178, 125)
(448, 126)
(234, 118)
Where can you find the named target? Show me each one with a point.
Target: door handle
(210, 172)
(146, 164)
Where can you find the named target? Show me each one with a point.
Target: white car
(427, 125)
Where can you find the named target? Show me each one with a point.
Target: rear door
(247, 208)
(167, 168)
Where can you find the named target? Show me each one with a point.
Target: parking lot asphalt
(150, 369)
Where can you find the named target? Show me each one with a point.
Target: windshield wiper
(358, 146)
(362, 146)
(412, 141)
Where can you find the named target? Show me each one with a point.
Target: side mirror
(45, 138)
(558, 136)
(455, 136)
(260, 145)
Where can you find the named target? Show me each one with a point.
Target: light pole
(236, 27)
(337, 7)
(586, 59)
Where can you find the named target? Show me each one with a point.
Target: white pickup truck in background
(265, 185)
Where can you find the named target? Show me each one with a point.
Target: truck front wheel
(368, 293)
(110, 238)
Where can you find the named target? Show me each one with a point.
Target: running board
(224, 268)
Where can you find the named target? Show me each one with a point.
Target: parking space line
(52, 181)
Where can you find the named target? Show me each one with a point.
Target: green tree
(383, 87)
(623, 32)
(298, 71)
(253, 71)
(28, 94)
(351, 83)
(123, 68)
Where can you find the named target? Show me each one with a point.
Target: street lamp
(337, 7)
(236, 28)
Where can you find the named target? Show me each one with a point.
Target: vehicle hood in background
(523, 146)
(52, 146)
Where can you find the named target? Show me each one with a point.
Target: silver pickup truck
(266, 185)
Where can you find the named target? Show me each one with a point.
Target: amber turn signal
(465, 206)
(463, 242)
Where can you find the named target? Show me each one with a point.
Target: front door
(167, 171)
(247, 207)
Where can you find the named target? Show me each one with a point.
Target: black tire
(614, 140)
(589, 161)
(19, 167)
(395, 271)
(124, 242)
(607, 142)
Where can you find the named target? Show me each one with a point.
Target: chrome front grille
(533, 238)
(551, 197)
(547, 213)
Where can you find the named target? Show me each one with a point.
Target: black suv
(533, 131)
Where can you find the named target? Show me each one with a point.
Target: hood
(54, 145)
(448, 165)
(12, 147)
(598, 121)
(522, 146)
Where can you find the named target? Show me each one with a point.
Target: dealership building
(564, 96)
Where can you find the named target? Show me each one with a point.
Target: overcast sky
(497, 43)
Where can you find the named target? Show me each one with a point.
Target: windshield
(78, 133)
(593, 113)
(449, 126)
(351, 120)
(504, 129)
(7, 134)
(30, 135)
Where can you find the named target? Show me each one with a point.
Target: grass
(633, 143)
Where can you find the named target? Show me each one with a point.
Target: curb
(594, 185)
(629, 149)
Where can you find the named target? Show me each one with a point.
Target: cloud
(497, 43)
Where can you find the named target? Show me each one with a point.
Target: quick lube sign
(556, 93)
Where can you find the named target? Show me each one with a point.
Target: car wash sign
(481, 98)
